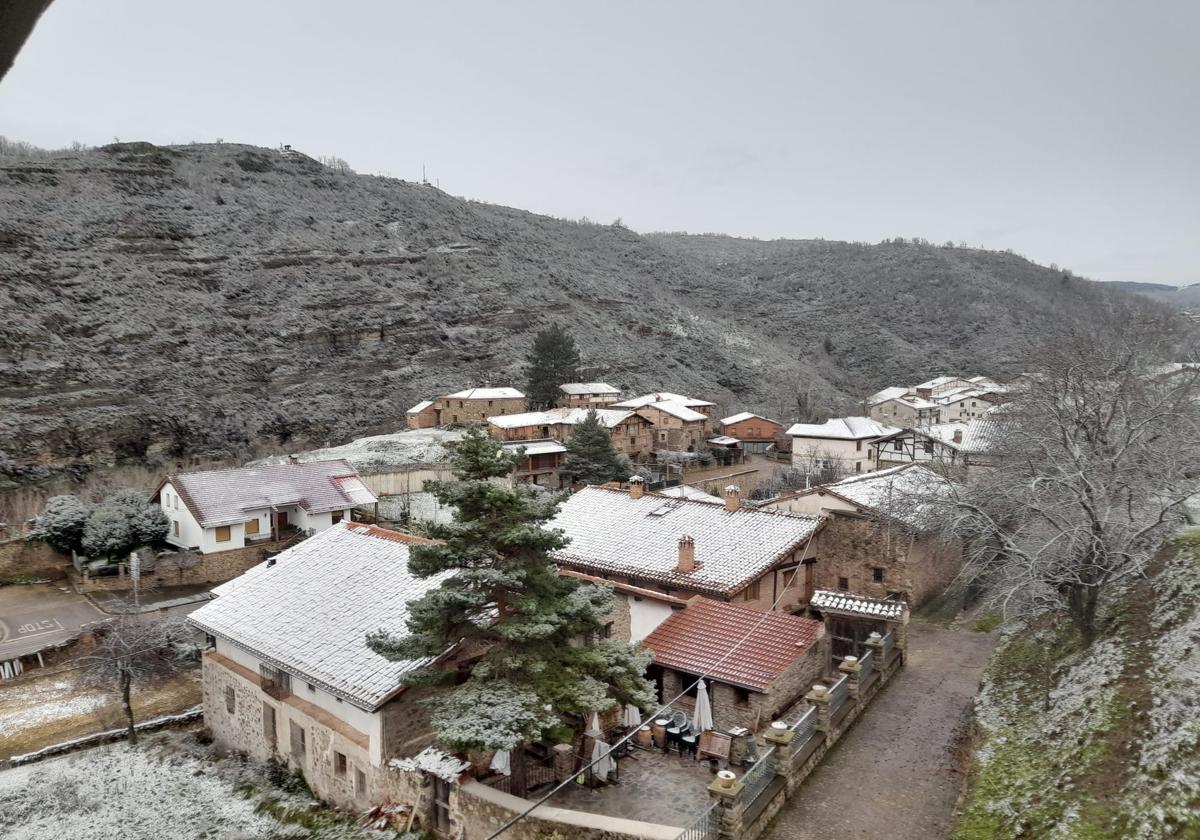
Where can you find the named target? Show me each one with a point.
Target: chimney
(637, 486)
(687, 555)
(733, 498)
(292, 459)
(958, 435)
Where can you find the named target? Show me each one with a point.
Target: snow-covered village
(335, 505)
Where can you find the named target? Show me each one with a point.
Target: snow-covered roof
(744, 415)
(908, 493)
(536, 447)
(419, 407)
(696, 494)
(221, 497)
(723, 440)
(887, 394)
(844, 602)
(842, 428)
(486, 394)
(988, 383)
(979, 435)
(960, 394)
(938, 381)
(662, 396)
(382, 453)
(612, 532)
(309, 613)
(583, 388)
(558, 417)
(679, 410)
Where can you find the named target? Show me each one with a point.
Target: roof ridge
(658, 494)
(369, 530)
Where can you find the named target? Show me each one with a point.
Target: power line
(664, 707)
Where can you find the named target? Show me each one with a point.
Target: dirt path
(894, 774)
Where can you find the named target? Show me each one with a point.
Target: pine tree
(552, 361)
(506, 599)
(591, 456)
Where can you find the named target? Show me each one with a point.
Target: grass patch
(988, 623)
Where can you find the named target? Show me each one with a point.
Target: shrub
(61, 524)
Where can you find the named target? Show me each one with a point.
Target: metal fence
(706, 827)
(837, 695)
(866, 664)
(889, 641)
(804, 729)
(755, 780)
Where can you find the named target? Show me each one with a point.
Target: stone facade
(456, 412)
(754, 709)
(674, 434)
(873, 560)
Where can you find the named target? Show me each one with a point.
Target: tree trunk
(517, 783)
(1082, 601)
(126, 685)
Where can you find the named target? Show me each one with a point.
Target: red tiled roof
(388, 534)
(695, 640)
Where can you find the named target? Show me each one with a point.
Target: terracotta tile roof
(613, 533)
(219, 497)
(845, 602)
(696, 639)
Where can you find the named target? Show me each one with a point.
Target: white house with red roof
(842, 445)
(220, 510)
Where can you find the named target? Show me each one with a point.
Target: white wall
(848, 452)
(645, 615)
(814, 503)
(190, 532)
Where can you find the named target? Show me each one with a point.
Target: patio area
(654, 787)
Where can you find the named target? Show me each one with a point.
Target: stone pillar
(902, 635)
(730, 807)
(850, 667)
(875, 643)
(781, 738)
(819, 697)
(564, 761)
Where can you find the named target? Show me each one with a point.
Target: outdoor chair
(714, 745)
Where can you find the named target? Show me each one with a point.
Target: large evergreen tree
(553, 360)
(506, 600)
(591, 456)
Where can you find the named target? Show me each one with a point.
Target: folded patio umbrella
(501, 762)
(633, 717)
(600, 751)
(704, 717)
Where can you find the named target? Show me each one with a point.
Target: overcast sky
(1069, 132)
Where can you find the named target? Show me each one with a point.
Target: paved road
(39, 616)
(894, 774)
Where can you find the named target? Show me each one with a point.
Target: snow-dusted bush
(61, 523)
(125, 521)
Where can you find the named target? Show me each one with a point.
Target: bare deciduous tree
(1096, 458)
(129, 651)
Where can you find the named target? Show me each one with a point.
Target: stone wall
(853, 548)
(213, 568)
(479, 810)
(35, 559)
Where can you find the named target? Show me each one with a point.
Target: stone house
(842, 446)
(423, 415)
(775, 664)
(631, 433)
(224, 510)
(682, 547)
(902, 409)
(677, 427)
(587, 395)
(540, 463)
(634, 403)
(473, 406)
(879, 540)
(963, 404)
(288, 674)
(755, 433)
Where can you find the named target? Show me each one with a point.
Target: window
(175, 499)
(336, 516)
(898, 445)
(928, 447)
(275, 683)
(311, 687)
(251, 526)
(687, 683)
(844, 584)
(858, 445)
(339, 764)
(360, 782)
(299, 741)
(223, 533)
(741, 696)
(606, 631)
(877, 574)
(269, 725)
(858, 466)
(230, 699)
(175, 525)
(750, 593)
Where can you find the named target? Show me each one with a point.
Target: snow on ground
(380, 453)
(52, 700)
(116, 791)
